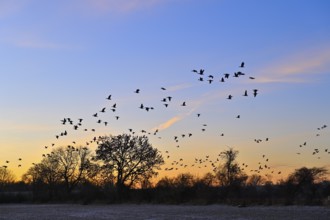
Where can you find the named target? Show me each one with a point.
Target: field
(68, 211)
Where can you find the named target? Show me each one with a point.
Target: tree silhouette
(129, 158)
(69, 166)
(256, 180)
(229, 173)
(46, 173)
(6, 177)
(74, 165)
(307, 176)
(302, 183)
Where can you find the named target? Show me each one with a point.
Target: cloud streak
(115, 6)
(297, 68)
(194, 105)
(168, 123)
(8, 8)
(31, 40)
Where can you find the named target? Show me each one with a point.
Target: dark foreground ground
(65, 211)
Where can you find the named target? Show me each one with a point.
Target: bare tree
(6, 177)
(307, 176)
(73, 164)
(129, 158)
(229, 173)
(184, 180)
(165, 183)
(63, 165)
(208, 179)
(301, 184)
(45, 173)
(256, 180)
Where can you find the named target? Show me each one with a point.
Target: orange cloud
(168, 123)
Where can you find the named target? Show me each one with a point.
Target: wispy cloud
(36, 43)
(168, 123)
(10, 127)
(193, 106)
(296, 68)
(8, 8)
(115, 6)
(29, 40)
(178, 87)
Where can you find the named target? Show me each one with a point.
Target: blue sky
(63, 58)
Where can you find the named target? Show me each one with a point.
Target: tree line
(122, 167)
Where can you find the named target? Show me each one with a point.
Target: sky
(61, 59)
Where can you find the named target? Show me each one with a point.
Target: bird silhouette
(242, 65)
(255, 92)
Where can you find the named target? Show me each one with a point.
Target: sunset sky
(61, 59)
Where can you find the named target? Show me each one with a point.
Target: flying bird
(255, 92)
(242, 65)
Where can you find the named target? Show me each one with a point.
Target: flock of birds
(170, 165)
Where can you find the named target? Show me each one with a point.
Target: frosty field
(68, 211)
